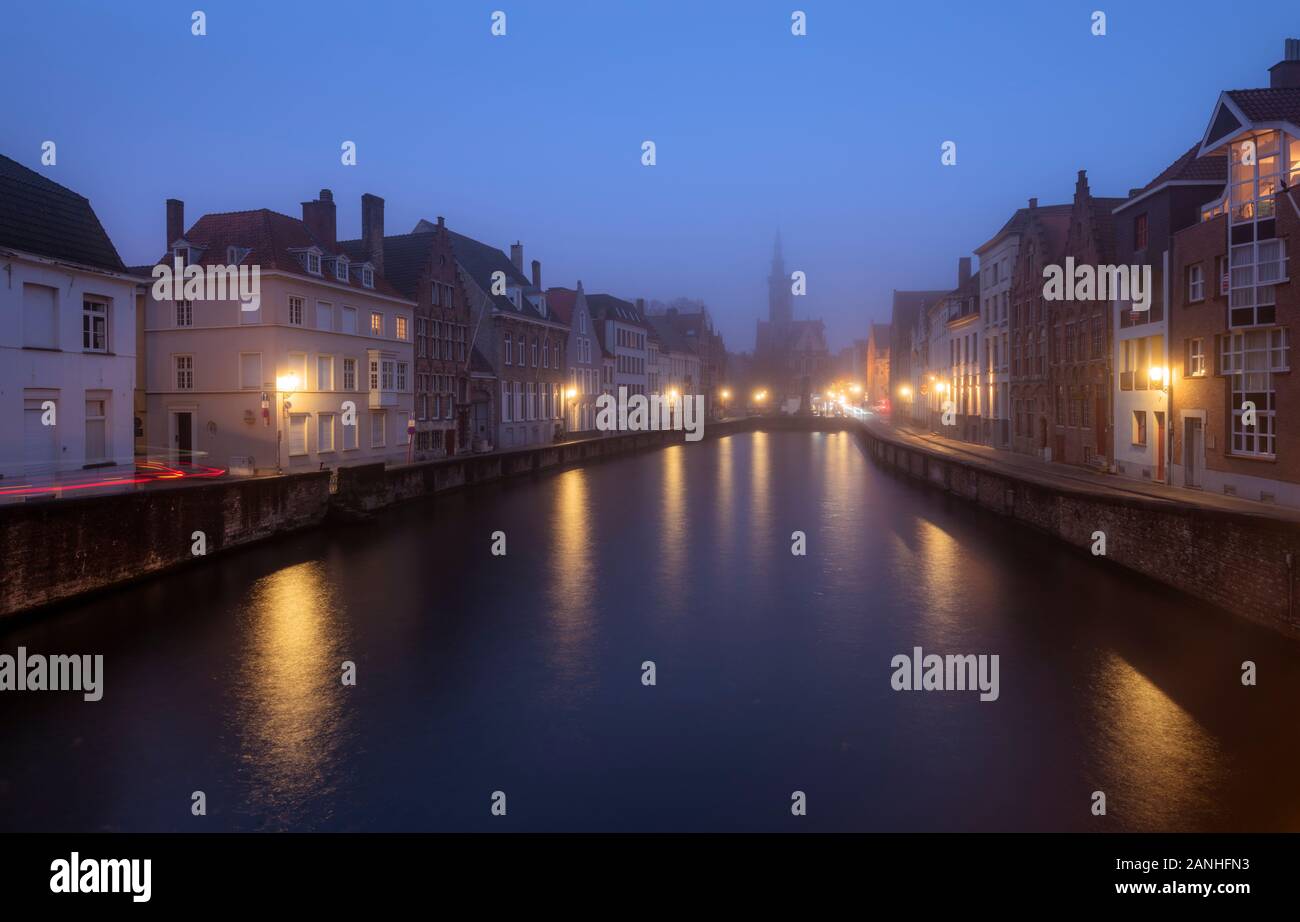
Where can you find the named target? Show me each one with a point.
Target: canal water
(523, 674)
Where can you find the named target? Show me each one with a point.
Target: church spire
(779, 308)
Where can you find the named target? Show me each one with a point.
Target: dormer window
(368, 276)
(235, 255)
(181, 253)
(313, 263)
(341, 269)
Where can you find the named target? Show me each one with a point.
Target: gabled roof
(41, 217)
(1016, 224)
(273, 241)
(671, 338)
(561, 302)
(1238, 110)
(1189, 169)
(479, 261)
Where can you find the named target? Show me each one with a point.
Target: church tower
(779, 310)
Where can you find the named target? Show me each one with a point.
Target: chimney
(320, 219)
(175, 221)
(537, 274)
(640, 306)
(372, 230)
(517, 255)
(963, 271)
(1033, 203)
(441, 222)
(1286, 72)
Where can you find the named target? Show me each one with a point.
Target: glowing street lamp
(905, 392)
(1159, 376)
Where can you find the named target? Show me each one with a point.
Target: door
(40, 444)
(1193, 451)
(184, 437)
(1160, 447)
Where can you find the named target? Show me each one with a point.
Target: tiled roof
(1211, 170)
(405, 259)
(608, 306)
(1280, 104)
(479, 261)
(272, 240)
(671, 338)
(1016, 224)
(39, 216)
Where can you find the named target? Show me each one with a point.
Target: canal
(523, 673)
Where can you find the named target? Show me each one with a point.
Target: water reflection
(572, 580)
(1157, 764)
(289, 710)
(672, 551)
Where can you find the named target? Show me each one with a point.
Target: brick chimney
(1286, 72)
(640, 306)
(175, 221)
(537, 274)
(1033, 204)
(372, 230)
(319, 216)
(963, 271)
(517, 255)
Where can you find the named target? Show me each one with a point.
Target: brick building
(1079, 340)
(1043, 239)
(1236, 404)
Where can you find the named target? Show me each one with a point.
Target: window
(184, 368)
(350, 436)
(368, 277)
(324, 315)
(518, 390)
(378, 429)
(349, 374)
(96, 429)
(349, 324)
(506, 416)
(376, 323)
(1196, 358)
(1139, 435)
(523, 347)
(184, 314)
(324, 372)
(546, 354)
(401, 326)
(297, 434)
(1140, 232)
(374, 374)
(531, 406)
(94, 325)
(582, 323)
(1251, 359)
(341, 269)
(313, 263)
(534, 351)
(40, 331)
(1195, 283)
(250, 370)
(450, 406)
(325, 432)
(401, 376)
(386, 377)
(296, 307)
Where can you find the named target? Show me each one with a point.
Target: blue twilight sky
(834, 137)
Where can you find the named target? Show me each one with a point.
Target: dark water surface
(522, 674)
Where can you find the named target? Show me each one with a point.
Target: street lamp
(1159, 376)
(285, 384)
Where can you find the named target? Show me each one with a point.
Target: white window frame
(94, 323)
(184, 316)
(183, 371)
(297, 309)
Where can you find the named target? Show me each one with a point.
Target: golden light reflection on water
(1157, 764)
(938, 560)
(290, 715)
(571, 588)
(724, 498)
(675, 530)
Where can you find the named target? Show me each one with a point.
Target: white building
(67, 334)
(319, 374)
(625, 337)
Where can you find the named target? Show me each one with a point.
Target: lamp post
(1159, 376)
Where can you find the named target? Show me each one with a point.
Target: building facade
(319, 373)
(67, 334)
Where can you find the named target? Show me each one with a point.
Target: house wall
(64, 374)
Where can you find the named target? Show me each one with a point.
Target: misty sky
(834, 137)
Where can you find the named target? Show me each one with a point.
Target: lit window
(401, 327)
(376, 323)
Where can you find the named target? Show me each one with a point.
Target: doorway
(183, 435)
(1193, 450)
